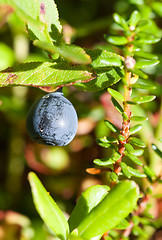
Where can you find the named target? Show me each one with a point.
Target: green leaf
(103, 162)
(157, 150)
(149, 173)
(115, 94)
(116, 40)
(134, 159)
(89, 199)
(47, 208)
(143, 24)
(106, 75)
(120, 21)
(41, 17)
(123, 225)
(103, 58)
(105, 145)
(116, 155)
(136, 220)
(129, 148)
(138, 231)
(138, 118)
(134, 19)
(110, 211)
(143, 99)
(72, 53)
(44, 74)
(125, 170)
(138, 152)
(136, 173)
(135, 129)
(138, 52)
(111, 126)
(117, 105)
(121, 137)
(108, 140)
(146, 38)
(140, 73)
(113, 177)
(143, 86)
(146, 64)
(136, 141)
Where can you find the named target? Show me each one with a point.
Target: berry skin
(52, 120)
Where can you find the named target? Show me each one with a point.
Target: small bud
(130, 62)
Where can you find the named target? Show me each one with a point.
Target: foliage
(113, 209)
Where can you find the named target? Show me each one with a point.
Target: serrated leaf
(129, 148)
(71, 52)
(136, 141)
(143, 99)
(115, 94)
(136, 173)
(125, 170)
(44, 74)
(120, 21)
(117, 105)
(138, 118)
(106, 75)
(42, 18)
(135, 129)
(134, 19)
(157, 150)
(103, 58)
(89, 199)
(110, 211)
(111, 126)
(47, 208)
(134, 159)
(143, 86)
(123, 225)
(146, 64)
(116, 40)
(108, 140)
(103, 162)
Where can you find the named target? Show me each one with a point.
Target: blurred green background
(62, 169)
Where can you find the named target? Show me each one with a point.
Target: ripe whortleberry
(52, 120)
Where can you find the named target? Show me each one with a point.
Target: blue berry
(52, 120)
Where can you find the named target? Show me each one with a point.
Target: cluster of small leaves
(133, 38)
